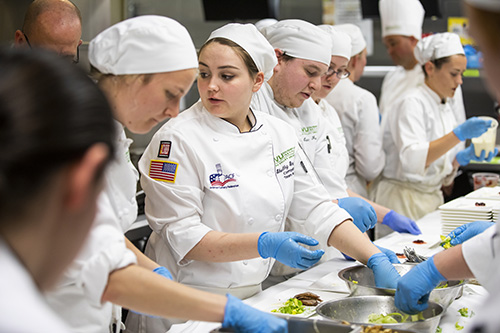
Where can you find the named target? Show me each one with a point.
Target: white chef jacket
(77, 297)
(398, 82)
(22, 307)
(228, 181)
(359, 115)
(316, 136)
(407, 129)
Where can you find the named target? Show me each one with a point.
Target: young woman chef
(147, 64)
(338, 71)
(56, 137)
(477, 257)
(233, 177)
(420, 135)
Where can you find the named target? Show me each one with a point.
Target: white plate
(274, 302)
(330, 282)
(469, 205)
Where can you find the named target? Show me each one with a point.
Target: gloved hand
(362, 212)
(284, 247)
(412, 293)
(163, 272)
(393, 258)
(401, 223)
(244, 318)
(471, 128)
(386, 275)
(468, 230)
(465, 156)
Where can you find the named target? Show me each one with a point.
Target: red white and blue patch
(164, 150)
(163, 171)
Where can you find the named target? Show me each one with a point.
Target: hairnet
(265, 23)
(438, 46)
(143, 45)
(358, 42)
(341, 42)
(251, 40)
(489, 5)
(300, 39)
(401, 17)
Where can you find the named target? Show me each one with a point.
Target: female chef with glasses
(421, 134)
(222, 180)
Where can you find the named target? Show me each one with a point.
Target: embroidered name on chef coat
(281, 164)
(220, 180)
(164, 150)
(164, 171)
(309, 133)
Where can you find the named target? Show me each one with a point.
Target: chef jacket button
(278, 218)
(251, 220)
(270, 173)
(216, 139)
(245, 262)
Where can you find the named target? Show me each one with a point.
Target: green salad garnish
(293, 306)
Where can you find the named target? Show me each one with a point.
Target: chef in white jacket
(401, 30)
(45, 214)
(421, 133)
(144, 65)
(359, 115)
(233, 177)
(478, 256)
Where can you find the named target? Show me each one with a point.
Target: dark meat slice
(308, 299)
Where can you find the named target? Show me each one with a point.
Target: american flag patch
(163, 171)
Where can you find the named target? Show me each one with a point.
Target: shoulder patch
(164, 171)
(164, 150)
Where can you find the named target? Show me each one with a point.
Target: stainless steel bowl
(356, 310)
(361, 281)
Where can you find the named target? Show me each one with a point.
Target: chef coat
(358, 112)
(407, 186)
(104, 251)
(316, 136)
(22, 307)
(399, 81)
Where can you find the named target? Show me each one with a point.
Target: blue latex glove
(385, 274)
(467, 231)
(471, 128)
(163, 272)
(412, 293)
(465, 156)
(244, 318)
(363, 214)
(401, 223)
(284, 247)
(393, 258)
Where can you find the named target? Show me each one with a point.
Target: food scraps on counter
(439, 330)
(464, 312)
(458, 327)
(308, 298)
(419, 241)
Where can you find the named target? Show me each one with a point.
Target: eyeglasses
(74, 60)
(341, 73)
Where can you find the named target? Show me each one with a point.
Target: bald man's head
(52, 24)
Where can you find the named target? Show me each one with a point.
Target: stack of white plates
(490, 193)
(465, 210)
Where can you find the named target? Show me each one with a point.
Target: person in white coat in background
(234, 176)
(144, 65)
(477, 249)
(421, 134)
(358, 112)
(341, 53)
(56, 135)
(402, 22)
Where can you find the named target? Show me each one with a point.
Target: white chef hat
(251, 40)
(489, 5)
(265, 23)
(341, 42)
(401, 17)
(358, 42)
(143, 45)
(300, 39)
(438, 46)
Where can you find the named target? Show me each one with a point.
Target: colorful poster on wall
(460, 26)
